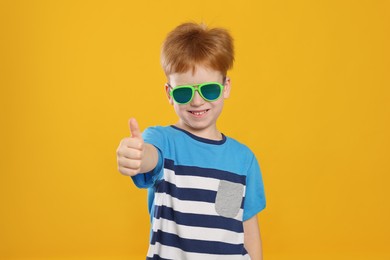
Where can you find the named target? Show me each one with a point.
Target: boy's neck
(210, 133)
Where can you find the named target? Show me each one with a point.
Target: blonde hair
(191, 44)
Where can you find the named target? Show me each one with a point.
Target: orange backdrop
(310, 96)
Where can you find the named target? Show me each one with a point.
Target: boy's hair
(192, 44)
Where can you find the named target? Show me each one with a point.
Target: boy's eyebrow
(169, 84)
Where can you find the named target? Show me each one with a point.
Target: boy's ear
(167, 89)
(227, 87)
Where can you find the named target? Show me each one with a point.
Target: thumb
(134, 128)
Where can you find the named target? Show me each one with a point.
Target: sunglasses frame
(195, 87)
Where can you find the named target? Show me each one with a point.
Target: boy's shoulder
(240, 146)
(160, 130)
(159, 134)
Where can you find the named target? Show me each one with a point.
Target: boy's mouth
(199, 113)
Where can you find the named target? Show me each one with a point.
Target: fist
(131, 151)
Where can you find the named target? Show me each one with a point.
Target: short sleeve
(155, 137)
(254, 193)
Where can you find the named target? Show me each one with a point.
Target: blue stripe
(186, 193)
(204, 172)
(197, 246)
(197, 220)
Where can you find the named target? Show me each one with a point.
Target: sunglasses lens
(182, 95)
(211, 91)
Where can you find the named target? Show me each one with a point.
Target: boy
(205, 189)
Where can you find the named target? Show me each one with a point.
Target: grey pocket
(229, 198)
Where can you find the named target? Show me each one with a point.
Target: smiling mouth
(199, 113)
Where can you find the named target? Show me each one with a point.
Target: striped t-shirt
(199, 195)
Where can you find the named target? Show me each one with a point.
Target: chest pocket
(229, 198)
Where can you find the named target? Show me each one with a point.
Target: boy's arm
(134, 156)
(252, 238)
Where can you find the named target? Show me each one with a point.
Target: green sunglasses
(209, 91)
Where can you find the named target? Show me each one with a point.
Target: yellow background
(310, 96)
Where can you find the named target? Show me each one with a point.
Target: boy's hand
(131, 151)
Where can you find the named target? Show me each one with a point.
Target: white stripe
(200, 233)
(189, 206)
(174, 253)
(192, 182)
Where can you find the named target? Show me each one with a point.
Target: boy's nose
(197, 100)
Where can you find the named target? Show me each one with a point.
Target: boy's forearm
(149, 159)
(252, 239)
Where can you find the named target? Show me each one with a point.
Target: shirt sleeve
(254, 193)
(155, 137)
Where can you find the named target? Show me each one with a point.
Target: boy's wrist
(149, 158)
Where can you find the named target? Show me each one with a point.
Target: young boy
(205, 189)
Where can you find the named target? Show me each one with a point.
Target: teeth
(198, 113)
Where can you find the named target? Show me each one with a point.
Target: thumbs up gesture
(130, 152)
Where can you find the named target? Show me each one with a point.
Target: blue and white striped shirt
(199, 195)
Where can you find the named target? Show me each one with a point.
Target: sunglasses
(209, 91)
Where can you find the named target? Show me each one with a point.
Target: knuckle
(132, 172)
(121, 163)
(122, 170)
(135, 155)
(139, 145)
(122, 142)
(127, 172)
(138, 164)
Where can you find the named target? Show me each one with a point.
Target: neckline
(201, 139)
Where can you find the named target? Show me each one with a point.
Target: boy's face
(199, 116)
